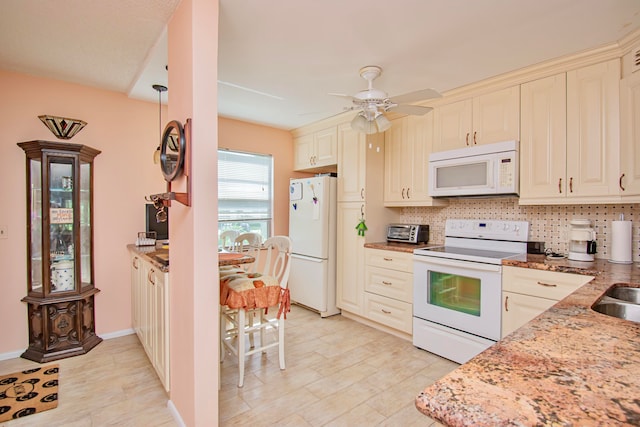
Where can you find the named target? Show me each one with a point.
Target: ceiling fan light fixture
(359, 123)
(382, 123)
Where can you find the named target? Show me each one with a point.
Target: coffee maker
(582, 240)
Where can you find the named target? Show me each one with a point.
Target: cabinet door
(397, 152)
(161, 327)
(419, 146)
(543, 143)
(303, 152)
(136, 274)
(496, 117)
(350, 259)
(453, 126)
(593, 138)
(352, 161)
(630, 139)
(518, 309)
(325, 147)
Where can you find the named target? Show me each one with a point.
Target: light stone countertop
(570, 366)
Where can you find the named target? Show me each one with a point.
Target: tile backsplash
(549, 224)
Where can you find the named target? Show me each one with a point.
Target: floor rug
(27, 392)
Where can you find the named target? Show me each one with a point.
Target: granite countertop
(397, 246)
(570, 366)
(157, 255)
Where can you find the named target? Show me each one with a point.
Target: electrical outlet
(4, 233)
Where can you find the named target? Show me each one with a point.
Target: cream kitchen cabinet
(408, 144)
(352, 169)
(316, 150)
(487, 118)
(388, 287)
(570, 144)
(360, 161)
(150, 313)
(629, 181)
(527, 293)
(350, 258)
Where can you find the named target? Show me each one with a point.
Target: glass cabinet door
(35, 212)
(61, 225)
(85, 223)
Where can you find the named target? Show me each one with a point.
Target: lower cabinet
(150, 313)
(527, 293)
(388, 289)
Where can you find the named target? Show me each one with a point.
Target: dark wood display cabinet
(60, 273)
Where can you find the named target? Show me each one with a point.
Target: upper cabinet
(484, 119)
(408, 144)
(352, 169)
(569, 148)
(629, 180)
(316, 150)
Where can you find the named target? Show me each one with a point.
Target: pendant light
(159, 89)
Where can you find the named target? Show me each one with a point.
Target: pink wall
(193, 231)
(242, 136)
(126, 131)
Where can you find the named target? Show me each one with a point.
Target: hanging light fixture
(159, 89)
(370, 120)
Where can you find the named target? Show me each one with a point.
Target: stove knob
(505, 226)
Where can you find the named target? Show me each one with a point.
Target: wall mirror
(172, 150)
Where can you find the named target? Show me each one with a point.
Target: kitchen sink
(621, 310)
(625, 293)
(620, 301)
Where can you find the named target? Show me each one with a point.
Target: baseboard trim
(117, 334)
(110, 335)
(11, 355)
(175, 413)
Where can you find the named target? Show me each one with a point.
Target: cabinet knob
(385, 311)
(408, 193)
(571, 185)
(384, 282)
(474, 138)
(362, 193)
(466, 141)
(387, 259)
(134, 262)
(403, 193)
(620, 182)
(560, 185)
(506, 303)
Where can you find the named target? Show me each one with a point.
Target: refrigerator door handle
(307, 258)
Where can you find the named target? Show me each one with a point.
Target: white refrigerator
(312, 229)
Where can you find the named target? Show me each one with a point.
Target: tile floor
(339, 373)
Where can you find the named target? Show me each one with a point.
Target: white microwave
(481, 170)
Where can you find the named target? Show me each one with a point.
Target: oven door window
(455, 292)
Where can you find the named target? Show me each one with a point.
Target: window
(245, 192)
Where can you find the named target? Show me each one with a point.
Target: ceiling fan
(373, 103)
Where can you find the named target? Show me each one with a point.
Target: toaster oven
(408, 233)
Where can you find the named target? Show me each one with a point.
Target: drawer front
(540, 283)
(400, 261)
(390, 312)
(390, 283)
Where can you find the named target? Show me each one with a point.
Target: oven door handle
(478, 266)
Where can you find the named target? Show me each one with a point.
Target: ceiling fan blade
(419, 95)
(414, 110)
(341, 95)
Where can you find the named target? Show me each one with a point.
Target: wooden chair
(245, 322)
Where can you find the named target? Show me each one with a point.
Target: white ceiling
(279, 59)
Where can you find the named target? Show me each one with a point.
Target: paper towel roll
(621, 242)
